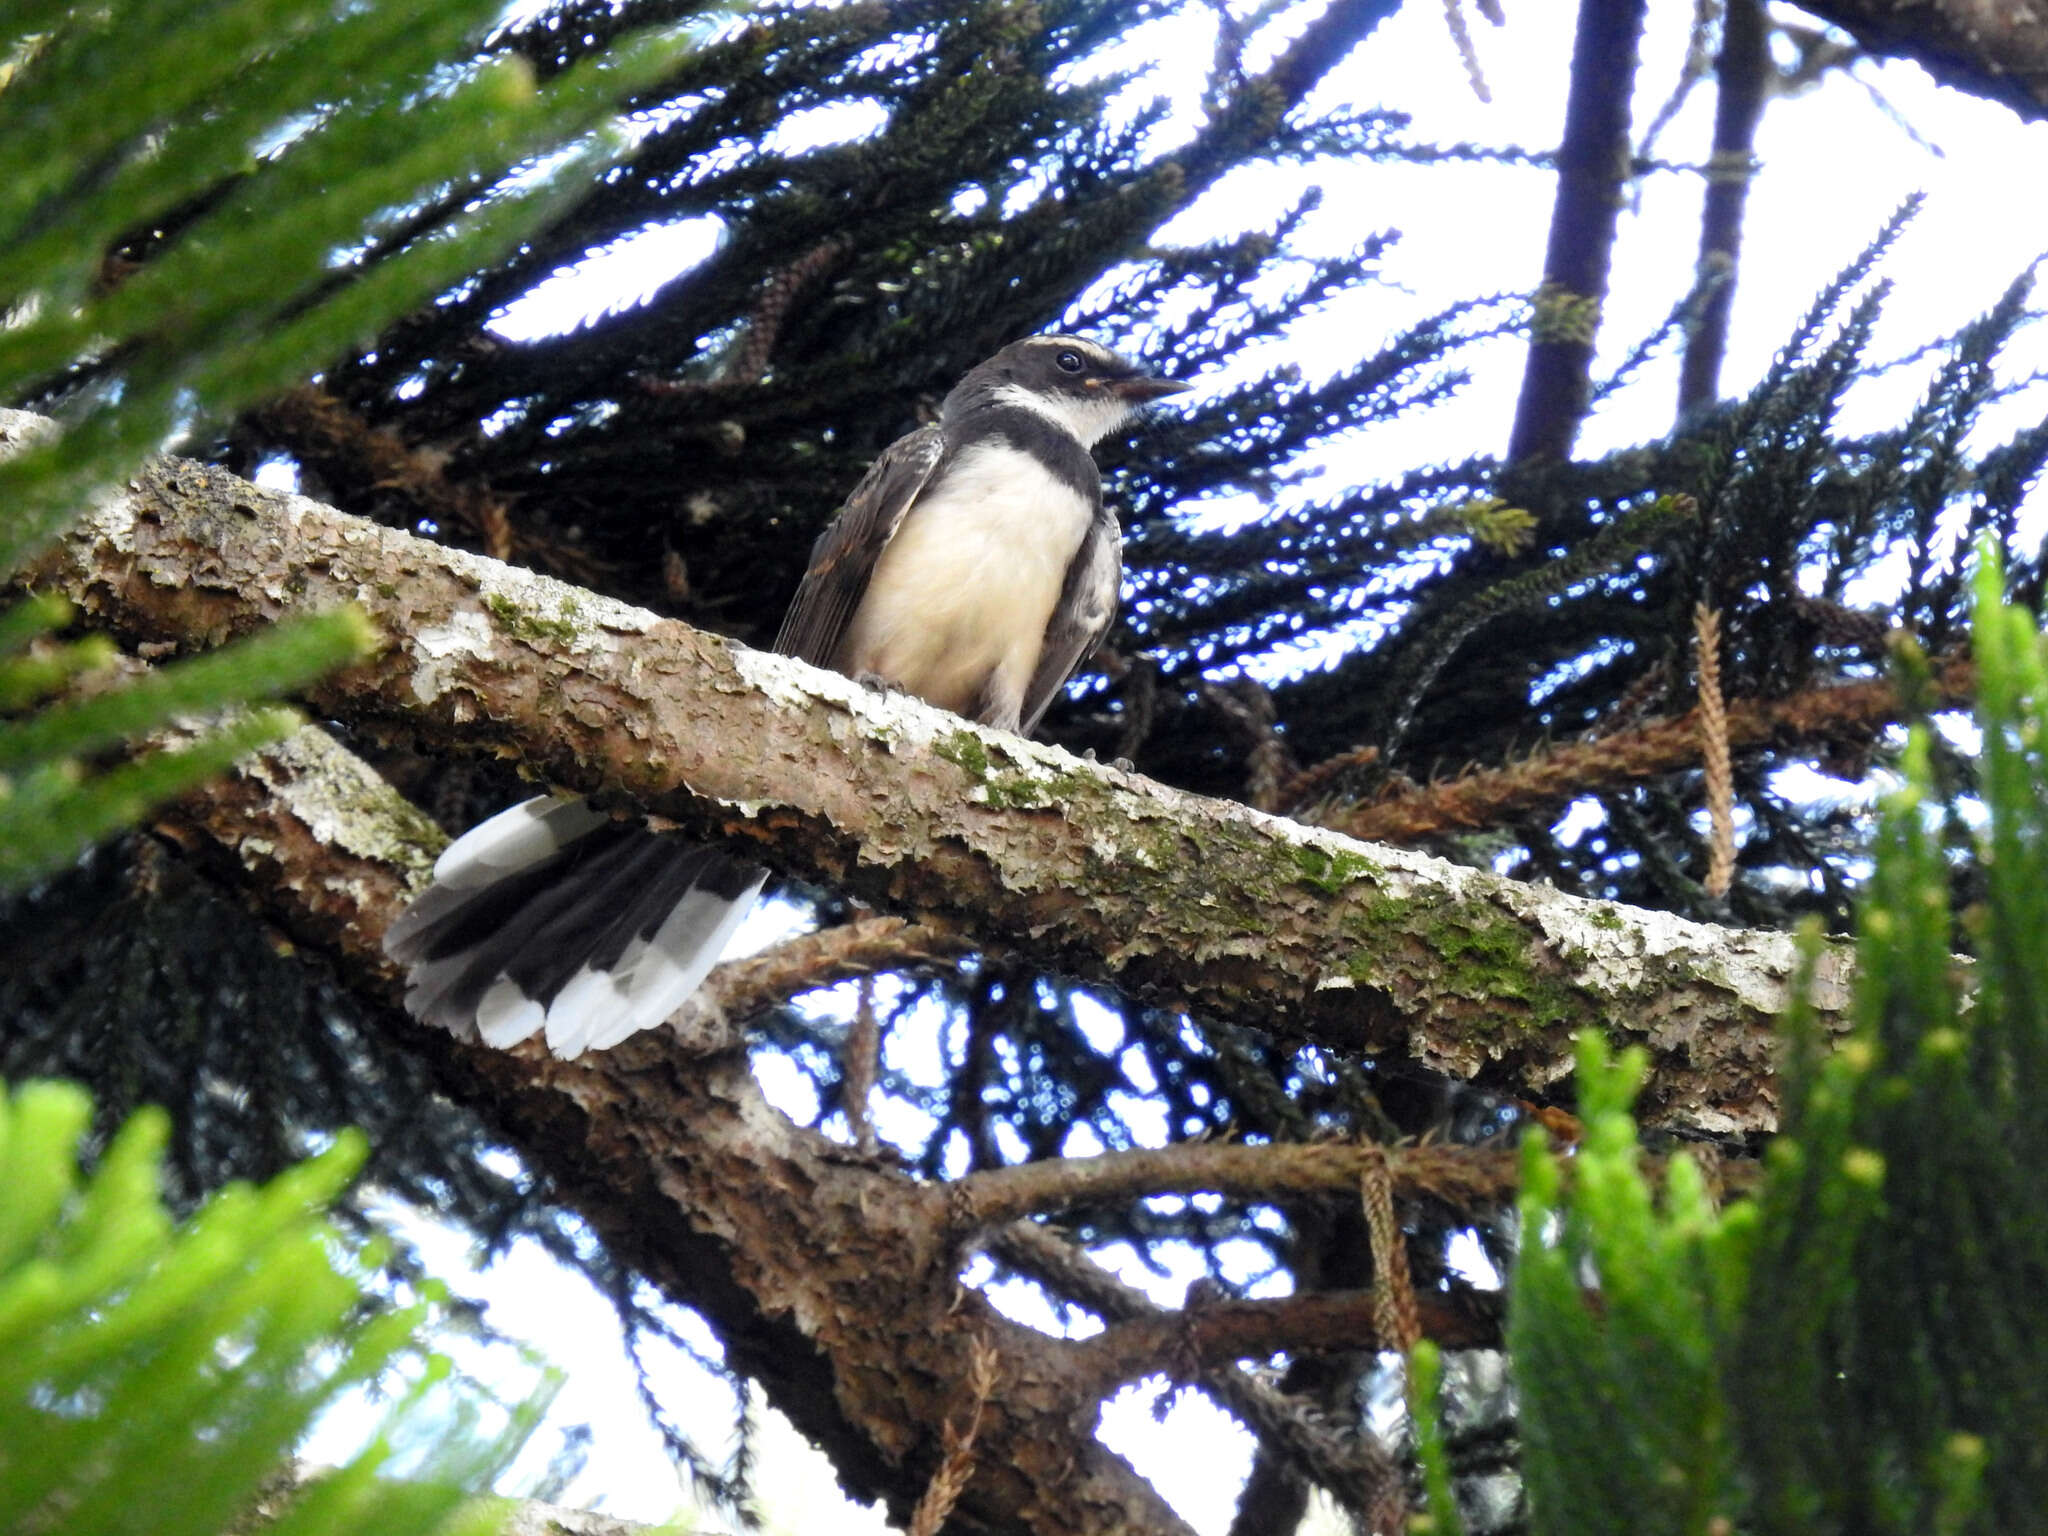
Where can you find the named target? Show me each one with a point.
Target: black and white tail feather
(554, 919)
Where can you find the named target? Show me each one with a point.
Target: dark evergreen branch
(1627, 537)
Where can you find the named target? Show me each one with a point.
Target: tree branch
(1218, 1333)
(1349, 1462)
(1996, 49)
(1198, 903)
(1545, 781)
(1465, 1178)
(1741, 72)
(1592, 163)
(829, 1274)
(826, 1274)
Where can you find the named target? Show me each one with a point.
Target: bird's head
(1084, 389)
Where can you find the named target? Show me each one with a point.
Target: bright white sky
(1835, 165)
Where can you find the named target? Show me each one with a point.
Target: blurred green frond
(1894, 1354)
(53, 805)
(1426, 1412)
(1859, 1350)
(199, 206)
(154, 1375)
(188, 193)
(1623, 1425)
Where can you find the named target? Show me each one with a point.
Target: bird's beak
(1141, 389)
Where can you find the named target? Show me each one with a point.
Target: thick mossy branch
(1196, 902)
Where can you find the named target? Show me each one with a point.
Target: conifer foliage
(155, 1374)
(199, 205)
(1854, 1350)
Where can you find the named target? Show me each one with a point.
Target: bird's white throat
(1083, 417)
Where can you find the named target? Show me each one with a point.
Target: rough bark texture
(1997, 49)
(830, 1277)
(1102, 873)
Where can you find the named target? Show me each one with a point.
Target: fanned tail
(553, 918)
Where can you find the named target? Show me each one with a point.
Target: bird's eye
(1070, 362)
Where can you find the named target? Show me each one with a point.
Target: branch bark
(1465, 1178)
(847, 1315)
(1115, 879)
(1221, 1332)
(1348, 1461)
(828, 1276)
(1546, 781)
(1997, 49)
(1741, 73)
(1592, 162)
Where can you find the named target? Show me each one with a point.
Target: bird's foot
(1120, 764)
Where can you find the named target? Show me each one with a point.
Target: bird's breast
(957, 607)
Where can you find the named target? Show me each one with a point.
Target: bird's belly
(957, 607)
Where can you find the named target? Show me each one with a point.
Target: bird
(975, 566)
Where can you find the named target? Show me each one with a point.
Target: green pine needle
(153, 1375)
(36, 614)
(1858, 1350)
(278, 661)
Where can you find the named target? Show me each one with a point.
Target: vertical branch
(1720, 770)
(1741, 71)
(1461, 35)
(1592, 165)
(1396, 1318)
(860, 1066)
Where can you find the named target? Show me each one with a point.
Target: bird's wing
(1082, 616)
(845, 554)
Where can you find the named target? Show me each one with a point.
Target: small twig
(1552, 778)
(747, 363)
(858, 1066)
(323, 430)
(1311, 781)
(1461, 35)
(1713, 717)
(1465, 1178)
(1698, 57)
(740, 989)
(943, 1492)
(1396, 1317)
(1636, 701)
(1351, 1466)
(771, 309)
(1247, 707)
(1141, 706)
(1395, 1313)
